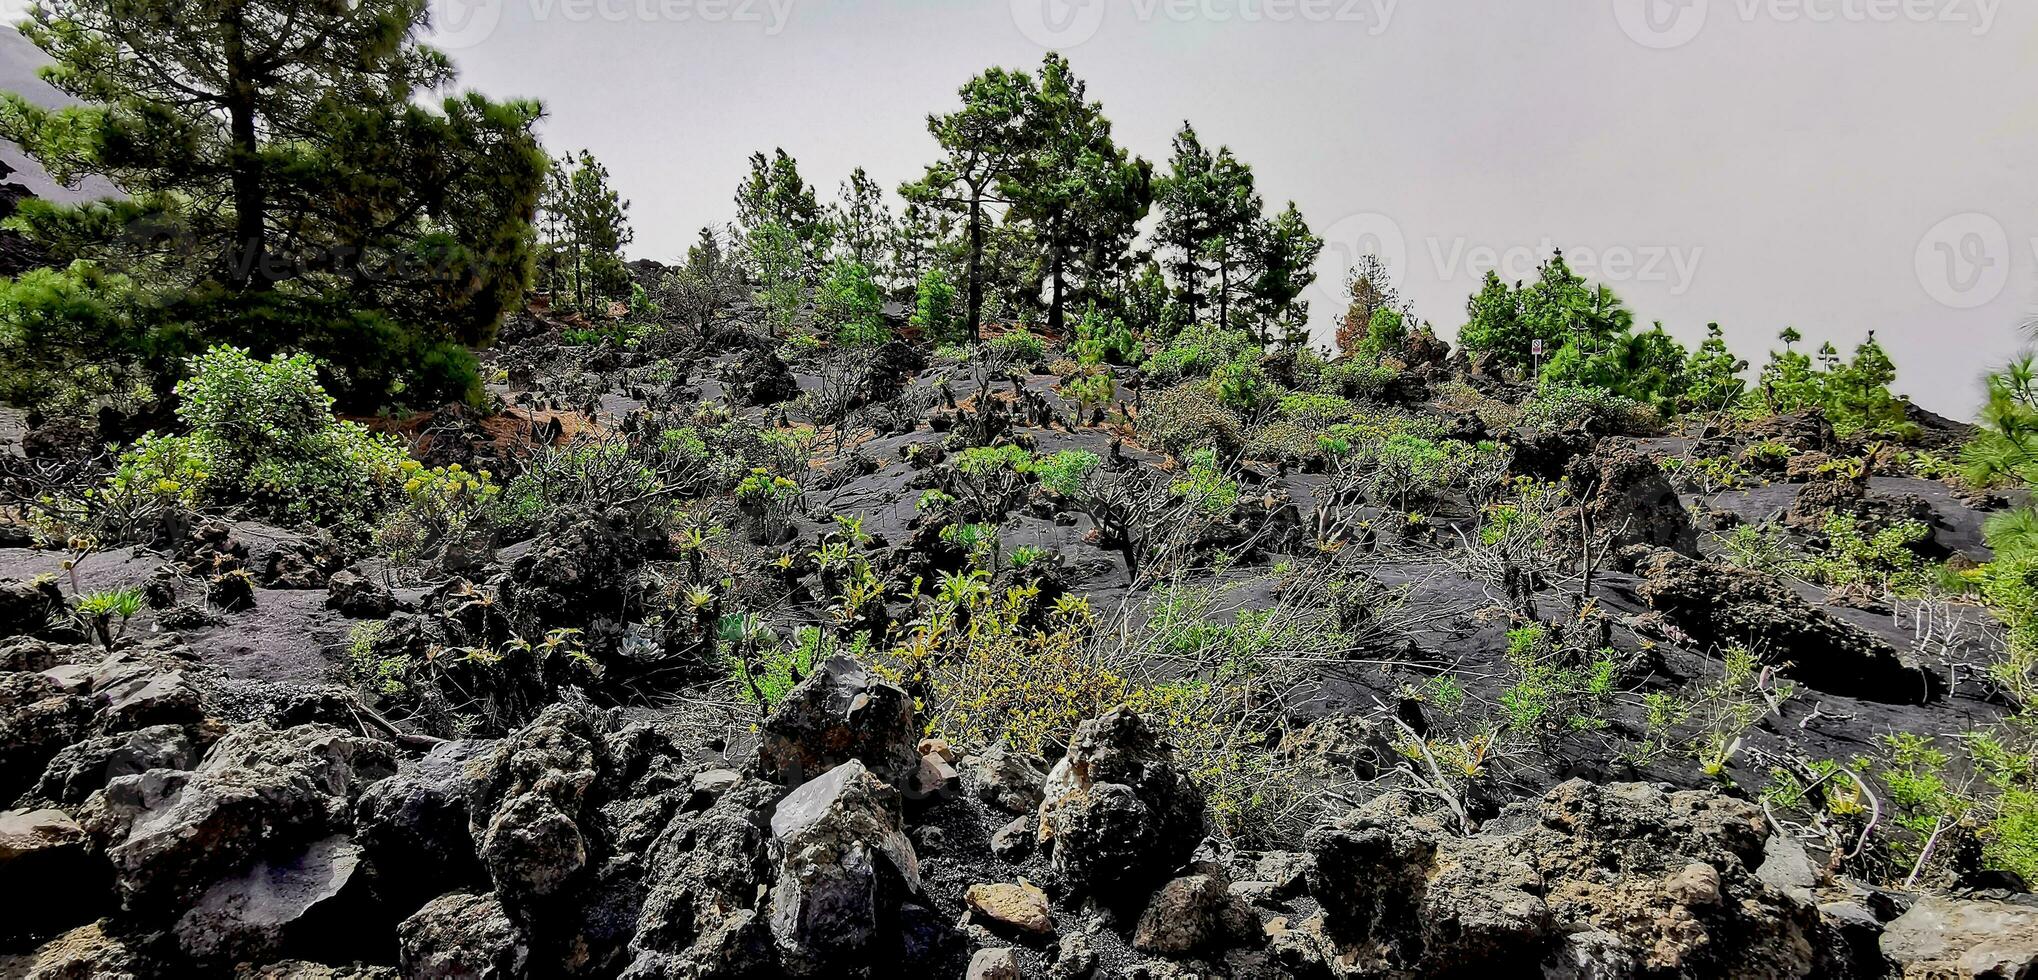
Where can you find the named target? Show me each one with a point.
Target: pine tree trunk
(1054, 308)
(976, 267)
(250, 262)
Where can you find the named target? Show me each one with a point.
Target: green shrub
(1064, 473)
(1204, 485)
(1189, 416)
(1102, 338)
(852, 304)
(934, 307)
(1018, 347)
(1561, 406)
(262, 438)
(71, 343)
(1883, 560)
(1198, 351)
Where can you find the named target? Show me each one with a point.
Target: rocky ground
(218, 789)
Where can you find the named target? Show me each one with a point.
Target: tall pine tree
(1083, 194)
(984, 147)
(280, 152)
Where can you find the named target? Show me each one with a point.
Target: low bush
(262, 439)
(1189, 416)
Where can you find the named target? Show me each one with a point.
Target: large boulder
(352, 594)
(85, 767)
(1625, 497)
(45, 854)
(254, 915)
(701, 916)
(1719, 605)
(841, 712)
(1117, 811)
(1595, 881)
(461, 934)
(35, 607)
(129, 692)
(37, 720)
(531, 801)
(845, 868)
(415, 827)
(1950, 939)
(259, 794)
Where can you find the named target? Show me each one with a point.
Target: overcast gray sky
(1836, 165)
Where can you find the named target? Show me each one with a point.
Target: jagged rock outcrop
(1627, 499)
(845, 869)
(259, 794)
(1719, 605)
(1594, 881)
(1117, 812)
(1949, 939)
(839, 713)
(463, 934)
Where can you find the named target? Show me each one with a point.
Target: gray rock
(81, 769)
(462, 935)
(37, 720)
(130, 693)
(1787, 868)
(414, 826)
(1948, 938)
(1011, 781)
(845, 868)
(1191, 913)
(530, 798)
(252, 915)
(994, 964)
(707, 868)
(351, 594)
(1014, 841)
(44, 854)
(841, 712)
(259, 793)
(1118, 811)
(1074, 959)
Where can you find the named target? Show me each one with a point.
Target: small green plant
(99, 609)
(1065, 473)
(1204, 485)
(1882, 561)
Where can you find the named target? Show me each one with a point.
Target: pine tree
(1211, 224)
(863, 222)
(1713, 375)
(774, 193)
(586, 226)
(1371, 287)
(984, 146)
(260, 143)
(1284, 263)
(1083, 194)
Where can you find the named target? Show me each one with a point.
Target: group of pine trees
(289, 182)
(1033, 212)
